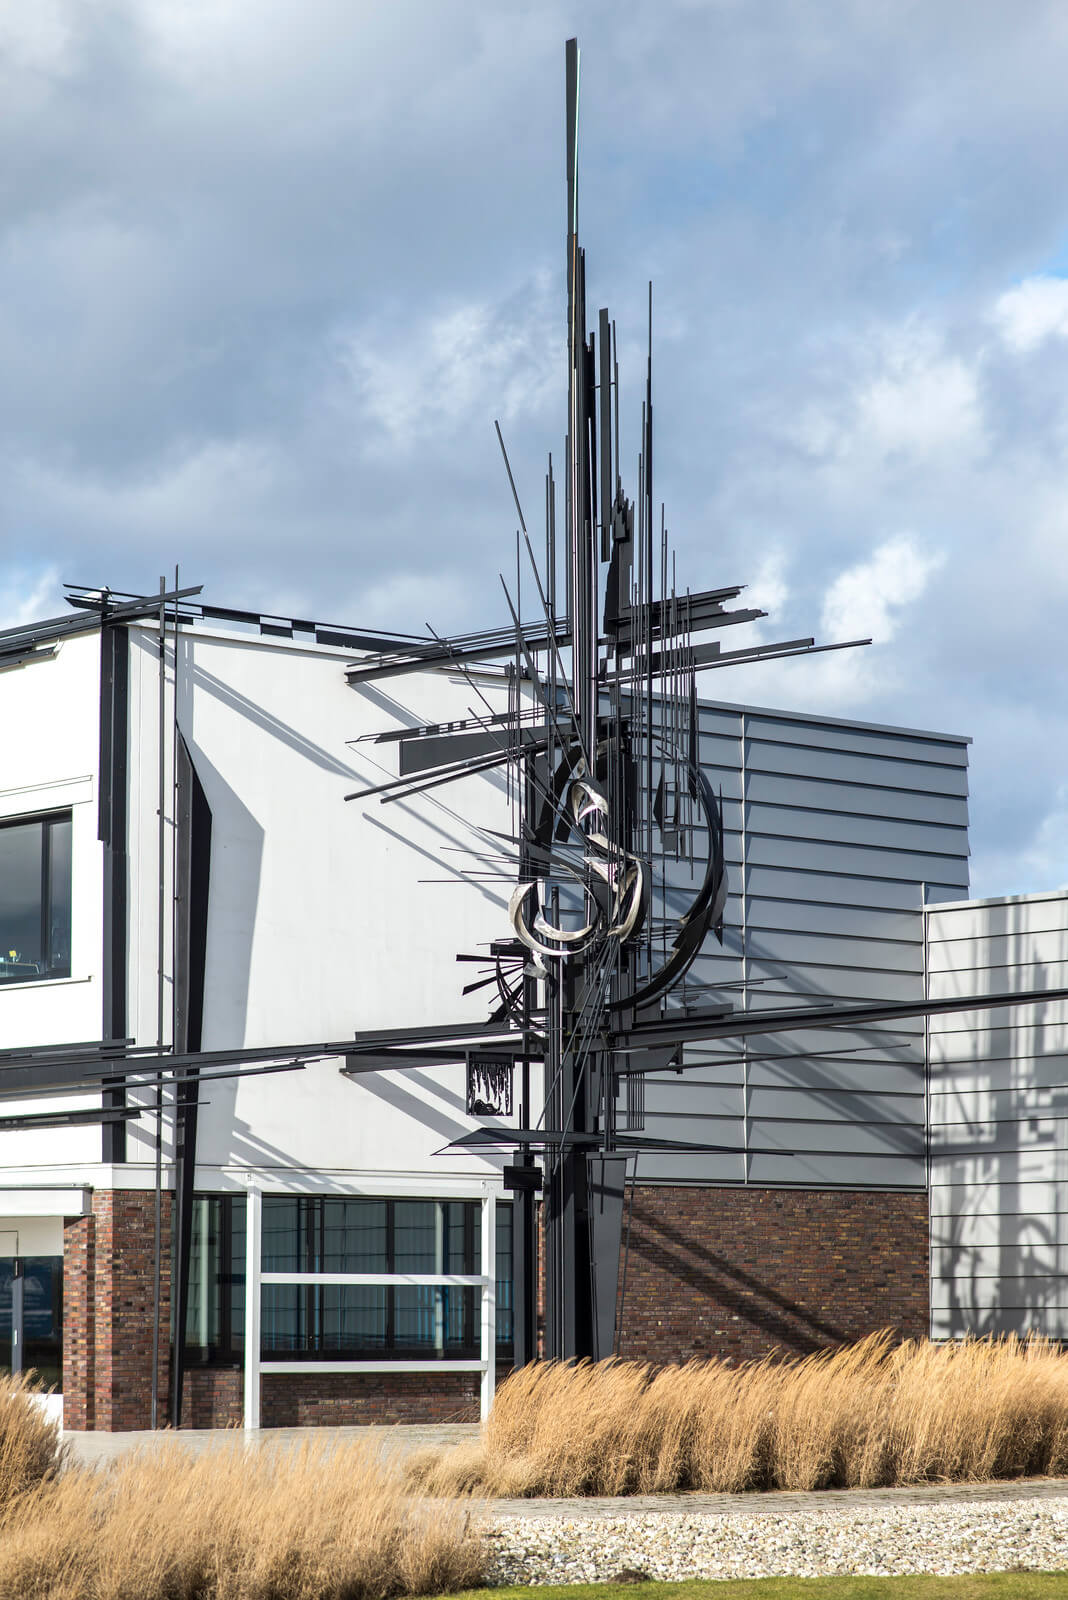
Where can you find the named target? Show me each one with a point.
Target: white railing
(485, 1279)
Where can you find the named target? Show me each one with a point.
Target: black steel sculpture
(618, 846)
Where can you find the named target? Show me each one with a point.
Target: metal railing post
(253, 1268)
(488, 1348)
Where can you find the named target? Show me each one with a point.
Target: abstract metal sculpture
(618, 847)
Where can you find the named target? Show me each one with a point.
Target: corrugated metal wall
(999, 1121)
(833, 829)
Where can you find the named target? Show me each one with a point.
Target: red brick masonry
(214, 1398)
(107, 1312)
(717, 1271)
(742, 1272)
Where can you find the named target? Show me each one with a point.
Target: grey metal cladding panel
(820, 794)
(1032, 1294)
(804, 1170)
(840, 1078)
(1041, 1025)
(724, 780)
(936, 892)
(866, 741)
(1022, 1075)
(826, 950)
(1049, 1018)
(960, 1322)
(831, 1105)
(693, 1129)
(672, 1097)
(997, 1240)
(809, 1137)
(983, 1201)
(883, 833)
(836, 1138)
(721, 751)
(658, 1167)
(1011, 918)
(1041, 1134)
(982, 1102)
(720, 720)
(1032, 1039)
(824, 984)
(853, 922)
(720, 964)
(998, 950)
(812, 855)
(729, 1073)
(903, 1040)
(783, 882)
(851, 768)
(1002, 980)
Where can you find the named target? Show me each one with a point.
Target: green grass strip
(972, 1586)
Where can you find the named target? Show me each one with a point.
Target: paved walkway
(98, 1448)
(778, 1502)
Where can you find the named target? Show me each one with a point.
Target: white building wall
(999, 1120)
(325, 917)
(49, 755)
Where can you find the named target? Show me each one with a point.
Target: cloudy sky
(268, 273)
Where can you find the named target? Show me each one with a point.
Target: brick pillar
(79, 1326)
(108, 1299)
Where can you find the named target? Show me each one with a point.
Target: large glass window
(35, 899)
(42, 1316)
(324, 1233)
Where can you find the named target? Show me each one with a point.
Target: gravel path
(992, 1528)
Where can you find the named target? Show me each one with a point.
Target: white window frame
(255, 1278)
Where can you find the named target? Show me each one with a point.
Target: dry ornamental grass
(870, 1414)
(315, 1523)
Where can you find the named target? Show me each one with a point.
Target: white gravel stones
(881, 1540)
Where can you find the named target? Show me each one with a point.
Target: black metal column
(111, 830)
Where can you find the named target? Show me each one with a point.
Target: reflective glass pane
(417, 1236)
(284, 1323)
(354, 1235)
(504, 1274)
(59, 841)
(21, 955)
(202, 1321)
(434, 1319)
(237, 1273)
(355, 1318)
(284, 1235)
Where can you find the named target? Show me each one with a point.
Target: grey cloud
(266, 279)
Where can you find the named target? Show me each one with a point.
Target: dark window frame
(48, 968)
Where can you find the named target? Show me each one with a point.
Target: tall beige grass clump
(872, 1413)
(311, 1524)
(30, 1448)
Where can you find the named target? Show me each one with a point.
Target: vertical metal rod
(488, 1269)
(18, 1309)
(253, 1269)
(157, 1213)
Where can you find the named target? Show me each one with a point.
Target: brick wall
(108, 1295)
(742, 1272)
(293, 1400)
(213, 1397)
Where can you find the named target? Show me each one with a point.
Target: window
(42, 1316)
(35, 899)
(324, 1233)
